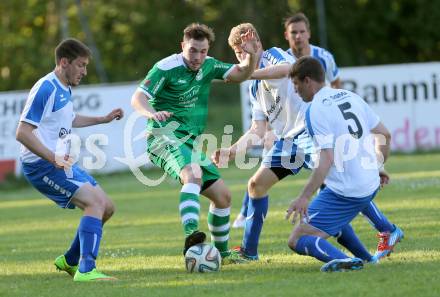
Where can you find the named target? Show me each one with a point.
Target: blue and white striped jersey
(50, 109)
(326, 59)
(276, 99)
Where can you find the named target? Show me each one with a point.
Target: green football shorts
(171, 154)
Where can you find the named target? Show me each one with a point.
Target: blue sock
(72, 255)
(244, 204)
(319, 248)
(90, 232)
(257, 210)
(349, 240)
(377, 218)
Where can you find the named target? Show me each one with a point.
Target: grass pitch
(142, 243)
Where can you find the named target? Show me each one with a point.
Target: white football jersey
(327, 61)
(341, 120)
(50, 109)
(276, 99)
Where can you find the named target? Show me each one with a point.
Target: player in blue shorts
(274, 104)
(43, 131)
(297, 32)
(339, 122)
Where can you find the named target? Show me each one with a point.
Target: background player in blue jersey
(336, 119)
(43, 131)
(297, 33)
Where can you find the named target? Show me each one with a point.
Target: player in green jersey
(174, 98)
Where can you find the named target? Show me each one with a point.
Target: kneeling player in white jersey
(43, 131)
(297, 32)
(338, 121)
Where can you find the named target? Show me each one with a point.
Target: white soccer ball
(203, 258)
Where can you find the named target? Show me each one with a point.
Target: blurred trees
(370, 32)
(133, 34)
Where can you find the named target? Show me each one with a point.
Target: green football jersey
(171, 86)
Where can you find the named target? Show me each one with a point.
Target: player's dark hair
(198, 32)
(296, 18)
(71, 49)
(307, 67)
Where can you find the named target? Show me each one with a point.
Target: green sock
(189, 207)
(218, 223)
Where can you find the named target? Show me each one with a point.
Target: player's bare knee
(222, 199)
(109, 210)
(291, 243)
(255, 188)
(108, 213)
(227, 197)
(294, 236)
(98, 202)
(252, 184)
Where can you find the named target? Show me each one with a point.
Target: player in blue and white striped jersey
(274, 104)
(297, 33)
(47, 161)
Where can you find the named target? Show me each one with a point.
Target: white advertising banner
(104, 148)
(405, 96)
(407, 99)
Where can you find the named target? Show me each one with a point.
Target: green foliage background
(133, 34)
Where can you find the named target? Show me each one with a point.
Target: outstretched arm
(382, 142)
(382, 147)
(272, 72)
(299, 205)
(85, 121)
(254, 134)
(139, 102)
